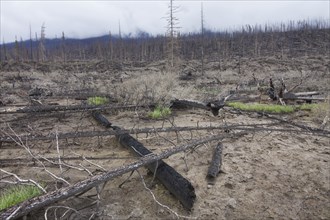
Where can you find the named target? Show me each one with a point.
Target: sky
(90, 18)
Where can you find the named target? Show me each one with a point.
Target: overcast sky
(80, 19)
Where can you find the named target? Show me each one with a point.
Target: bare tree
(31, 52)
(110, 51)
(63, 48)
(202, 32)
(16, 50)
(4, 48)
(37, 50)
(42, 49)
(172, 32)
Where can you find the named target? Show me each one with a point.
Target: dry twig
(23, 181)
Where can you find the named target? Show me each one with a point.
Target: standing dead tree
(202, 32)
(42, 49)
(172, 33)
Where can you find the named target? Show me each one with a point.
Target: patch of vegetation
(262, 107)
(308, 107)
(273, 108)
(17, 194)
(321, 111)
(160, 112)
(97, 100)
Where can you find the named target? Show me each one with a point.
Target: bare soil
(265, 174)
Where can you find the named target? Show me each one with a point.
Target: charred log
(101, 119)
(213, 106)
(180, 187)
(56, 108)
(215, 165)
(185, 103)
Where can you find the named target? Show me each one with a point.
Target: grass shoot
(97, 100)
(17, 194)
(160, 112)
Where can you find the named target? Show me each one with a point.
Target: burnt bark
(215, 165)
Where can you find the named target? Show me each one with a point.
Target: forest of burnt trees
(292, 39)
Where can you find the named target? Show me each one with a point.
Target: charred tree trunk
(180, 187)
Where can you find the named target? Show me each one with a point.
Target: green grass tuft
(17, 194)
(97, 100)
(262, 107)
(272, 108)
(160, 112)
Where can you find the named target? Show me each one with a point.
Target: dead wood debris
(283, 94)
(239, 127)
(179, 186)
(215, 165)
(36, 203)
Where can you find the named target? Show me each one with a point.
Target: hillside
(294, 39)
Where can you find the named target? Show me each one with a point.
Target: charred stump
(215, 165)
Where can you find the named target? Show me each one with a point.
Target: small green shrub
(97, 100)
(160, 112)
(17, 194)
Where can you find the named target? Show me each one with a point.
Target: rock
(232, 203)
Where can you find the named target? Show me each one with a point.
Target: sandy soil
(265, 175)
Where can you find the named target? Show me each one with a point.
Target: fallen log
(180, 187)
(213, 106)
(305, 98)
(237, 127)
(101, 119)
(215, 165)
(36, 203)
(33, 161)
(54, 108)
(184, 103)
(306, 93)
(301, 96)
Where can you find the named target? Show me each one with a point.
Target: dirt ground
(265, 174)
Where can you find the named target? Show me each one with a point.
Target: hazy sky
(80, 19)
